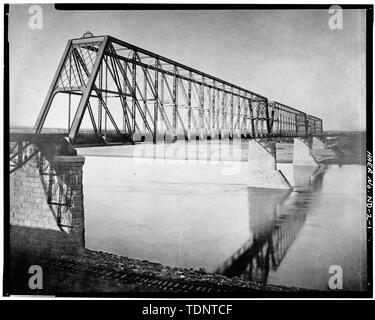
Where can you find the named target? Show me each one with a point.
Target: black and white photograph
(187, 151)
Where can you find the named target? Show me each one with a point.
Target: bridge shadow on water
(275, 220)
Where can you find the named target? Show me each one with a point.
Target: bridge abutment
(262, 169)
(317, 144)
(321, 151)
(302, 153)
(46, 207)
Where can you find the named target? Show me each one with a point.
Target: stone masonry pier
(46, 207)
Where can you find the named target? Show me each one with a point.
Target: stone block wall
(36, 227)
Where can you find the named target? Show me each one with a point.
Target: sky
(290, 56)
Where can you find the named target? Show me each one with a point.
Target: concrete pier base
(302, 176)
(302, 154)
(318, 144)
(262, 172)
(320, 151)
(224, 134)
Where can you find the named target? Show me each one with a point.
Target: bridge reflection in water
(276, 218)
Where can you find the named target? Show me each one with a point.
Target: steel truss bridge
(127, 93)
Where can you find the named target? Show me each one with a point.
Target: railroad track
(147, 281)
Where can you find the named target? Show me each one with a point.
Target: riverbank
(100, 272)
(350, 148)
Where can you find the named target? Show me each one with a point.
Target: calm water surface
(275, 237)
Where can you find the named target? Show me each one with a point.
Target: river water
(275, 237)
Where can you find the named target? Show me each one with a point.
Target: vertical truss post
(70, 95)
(189, 102)
(100, 107)
(223, 107)
(268, 118)
(248, 118)
(231, 112)
(161, 100)
(286, 123)
(175, 99)
(321, 127)
(252, 120)
(239, 115)
(212, 120)
(290, 121)
(269, 109)
(275, 120)
(213, 106)
(156, 91)
(145, 98)
(106, 95)
(125, 97)
(313, 127)
(209, 110)
(217, 119)
(244, 125)
(134, 75)
(273, 110)
(201, 108)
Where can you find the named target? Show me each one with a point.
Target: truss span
(127, 93)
